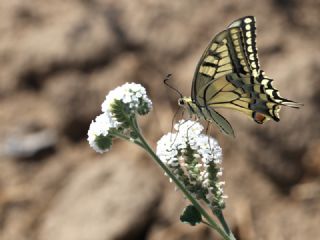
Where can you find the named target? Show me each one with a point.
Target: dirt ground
(58, 60)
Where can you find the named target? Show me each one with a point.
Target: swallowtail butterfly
(228, 75)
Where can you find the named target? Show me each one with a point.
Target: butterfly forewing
(215, 62)
(248, 33)
(237, 51)
(225, 54)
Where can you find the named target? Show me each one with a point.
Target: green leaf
(103, 142)
(133, 135)
(191, 215)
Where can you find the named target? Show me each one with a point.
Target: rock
(110, 198)
(29, 145)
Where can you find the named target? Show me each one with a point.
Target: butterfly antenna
(165, 81)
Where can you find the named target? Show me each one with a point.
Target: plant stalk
(218, 213)
(212, 223)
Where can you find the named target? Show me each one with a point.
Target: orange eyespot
(258, 117)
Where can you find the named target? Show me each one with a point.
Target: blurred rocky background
(58, 59)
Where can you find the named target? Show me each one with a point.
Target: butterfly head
(183, 101)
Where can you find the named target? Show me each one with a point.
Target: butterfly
(228, 75)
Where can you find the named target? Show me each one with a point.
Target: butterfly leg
(174, 116)
(208, 133)
(207, 127)
(175, 138)
(196, 120)
(182, 114)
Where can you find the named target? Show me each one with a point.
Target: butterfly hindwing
(258, 99)
(219, 120)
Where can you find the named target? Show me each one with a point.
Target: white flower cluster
(120, 103)
(196, 156)
(133, 95)
(100, 128)
(171, 144)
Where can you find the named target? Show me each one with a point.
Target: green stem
(119, 135)
(205, 223)
(194, 202)
(218, 213)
